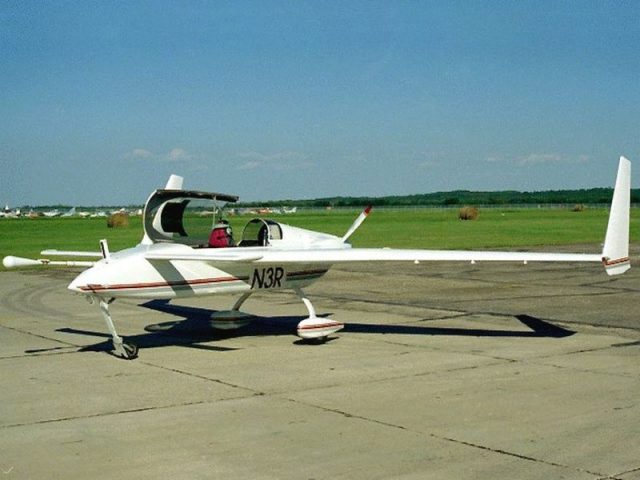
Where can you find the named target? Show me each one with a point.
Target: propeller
(361, 218)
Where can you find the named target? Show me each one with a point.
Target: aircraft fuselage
(128, 274)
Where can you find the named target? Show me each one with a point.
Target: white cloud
(177, 155)
(434, 159)
(428, 164)
(547, 158)
(539, 159)
(250, 165)
(174, 155)
(138, 153)
(277, 161)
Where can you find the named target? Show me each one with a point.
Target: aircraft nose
(80, 283)
(74, 286)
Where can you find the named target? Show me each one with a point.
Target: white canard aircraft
(170, 263)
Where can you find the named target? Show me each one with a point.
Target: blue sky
(101, 101)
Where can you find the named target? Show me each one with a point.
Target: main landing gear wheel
(234, 318)
(316, 330)
(313, 329)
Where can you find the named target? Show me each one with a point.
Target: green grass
(441, 229)
(438, 229)
(27, 237)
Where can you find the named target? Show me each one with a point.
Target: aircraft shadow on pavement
(193, 329)
(539, 328)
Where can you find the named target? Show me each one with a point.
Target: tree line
(462, 197)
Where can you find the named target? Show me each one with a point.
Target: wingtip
(10, 262)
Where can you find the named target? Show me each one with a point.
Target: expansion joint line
(452, 440)
(202, 377)
(516, 455)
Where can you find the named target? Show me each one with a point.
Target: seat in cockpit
(221, 236)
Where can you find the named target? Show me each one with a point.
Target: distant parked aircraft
(52, 213)
(70, 213)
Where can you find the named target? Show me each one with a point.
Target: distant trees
(462, 197)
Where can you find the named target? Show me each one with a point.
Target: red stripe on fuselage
(186, 283)
(181, 283)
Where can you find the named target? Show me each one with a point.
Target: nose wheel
(126, 351)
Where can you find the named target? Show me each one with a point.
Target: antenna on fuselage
(104, 249)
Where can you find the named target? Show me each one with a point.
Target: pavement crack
(25, 332)
(581, 370)
(446, 439)
(514, 454)
(346, 414)
(622, 474)
(44, 352)
(202, 377)
(103, 414)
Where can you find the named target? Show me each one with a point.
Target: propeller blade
(361, 218)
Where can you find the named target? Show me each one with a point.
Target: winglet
(615, 254)
(174, 183)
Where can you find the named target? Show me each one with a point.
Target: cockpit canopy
(188, 217)
(195, 218)
(183, 216)
(259, 232)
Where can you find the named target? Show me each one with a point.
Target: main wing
(614, 256)
(344, 255)
(403, 255)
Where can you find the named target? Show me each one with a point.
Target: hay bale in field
(118, 220)
(578, 208)
(468, 213)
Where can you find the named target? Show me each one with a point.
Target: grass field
(438, 229)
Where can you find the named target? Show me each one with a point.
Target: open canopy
(259, 232)
(182, 216)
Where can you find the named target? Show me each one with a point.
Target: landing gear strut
(127, 351)
(314, 328)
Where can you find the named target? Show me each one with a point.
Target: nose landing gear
(126, 351)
